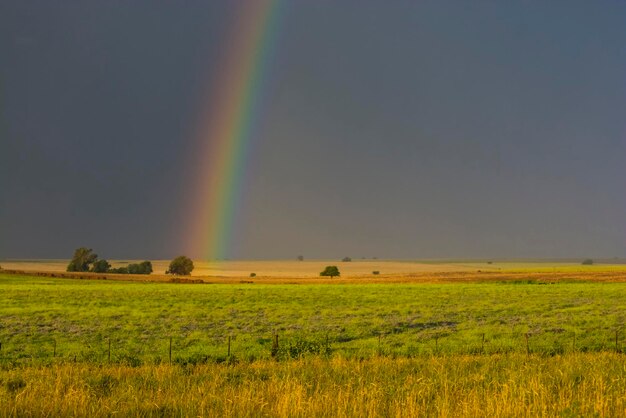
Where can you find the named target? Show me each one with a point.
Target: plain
(507, 347)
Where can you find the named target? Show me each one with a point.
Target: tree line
(85, 260)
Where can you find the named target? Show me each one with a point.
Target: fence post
(54, 351)
(229, 346)
(483, 344)
(275, 346)
(109, 353)
(527, 345)
(616, 341)
(170, 350)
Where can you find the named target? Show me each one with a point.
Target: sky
(389, 129)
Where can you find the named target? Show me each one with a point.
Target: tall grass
(581, 384)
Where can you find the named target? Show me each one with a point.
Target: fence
(186, 350)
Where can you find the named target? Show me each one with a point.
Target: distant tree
(252, 274)
(141, 268)
(180, 265)
(100, 266)
(119, 270)
(376, 272)
(346, 259)
(300, 258)
(83, 258)
(587, 262)
(147, 267)
(331, 271)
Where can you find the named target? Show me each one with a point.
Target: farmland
(524, 340)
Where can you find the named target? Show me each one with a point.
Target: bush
(587, 262)
(376, 272)
(119, 270)
(144, 267)
(331, 271)
(300, 258)
(252, 274)
(181, 265)
(301, 347)
(346, 259)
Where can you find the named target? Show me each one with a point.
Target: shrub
(346, 259)
(376, 272)
(252, 274)
(587, 262)
(301, 347)
(181, 265)
(144, 267)
(331, 271)
(300, 258)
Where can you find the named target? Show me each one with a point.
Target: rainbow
(227, 128)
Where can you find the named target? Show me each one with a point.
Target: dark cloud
(404, 129)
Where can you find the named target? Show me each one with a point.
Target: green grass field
(78, 318)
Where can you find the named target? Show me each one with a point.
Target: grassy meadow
(497, 347)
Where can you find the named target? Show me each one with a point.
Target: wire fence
(249, 347)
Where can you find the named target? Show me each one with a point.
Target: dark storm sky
(404, 129)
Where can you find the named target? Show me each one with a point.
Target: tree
(83, 258)
(181, 265)
(587, 262)
(331, 271)
(100, 266)
(147, 267)
(300, 258)
(346, 259)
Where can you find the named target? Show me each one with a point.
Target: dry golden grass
(358, 271)
(460, 386)
(272, 268)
